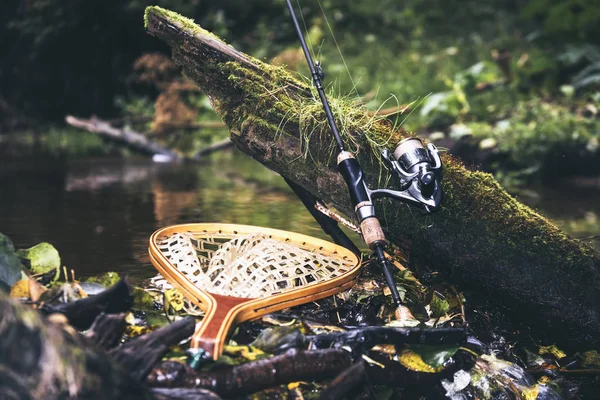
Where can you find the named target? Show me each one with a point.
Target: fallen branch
(124, 135)
(142, 143)
(291, 366)
(345, 383)
(106, 330)
(141, 353)
(364, 339)
(360, 340)
(223, 144)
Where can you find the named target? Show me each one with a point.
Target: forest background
(519, 79)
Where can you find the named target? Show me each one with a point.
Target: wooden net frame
(239, 272)
(251, 265)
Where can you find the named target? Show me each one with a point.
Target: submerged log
(482, 239)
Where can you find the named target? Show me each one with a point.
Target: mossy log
(482, 239)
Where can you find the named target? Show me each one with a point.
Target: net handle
(220, 316)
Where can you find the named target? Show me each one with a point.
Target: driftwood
(345, 383)
(485, 241)
(292, 366)
(140, 354)
(106, 330)
(141, 142)
(125, 135)
(359, 340)
(82, 313)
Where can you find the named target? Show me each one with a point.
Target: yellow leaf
(555, 351)
(531, 393)
(174, 299)
(543, 380)
(247, 352)
(293, 385)
(20, 289)
(136, 330)
(413, 361)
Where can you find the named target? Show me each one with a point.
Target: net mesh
(250, 266)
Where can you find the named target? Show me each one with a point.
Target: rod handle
(372, 233)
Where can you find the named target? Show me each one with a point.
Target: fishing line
(338, 49)
(312, 50)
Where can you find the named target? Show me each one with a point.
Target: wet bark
(292, 366)
(141, 353)
(482, 239)
(82, 313)
(47, 359)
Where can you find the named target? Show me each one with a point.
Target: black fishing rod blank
(417, 168)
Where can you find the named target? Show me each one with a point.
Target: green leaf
(434, 356)
(10, 265)
(277, 339)
(41, 258)
(439, 306)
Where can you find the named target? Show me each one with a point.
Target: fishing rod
(417, 168)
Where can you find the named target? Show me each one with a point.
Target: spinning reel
(419, 171)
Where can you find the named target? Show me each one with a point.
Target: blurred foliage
(82, 52)
(59, 140)
(469, 62)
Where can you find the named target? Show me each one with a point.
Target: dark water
(99, 213)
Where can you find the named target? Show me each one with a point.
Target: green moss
(41, 258)
(186, 24)
(142, 300)
(106, 280)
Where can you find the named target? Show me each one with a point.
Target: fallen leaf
(20, 289)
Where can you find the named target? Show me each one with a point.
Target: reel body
(419, 173)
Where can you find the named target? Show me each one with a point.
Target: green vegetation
(520, 79)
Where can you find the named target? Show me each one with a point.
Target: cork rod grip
(372, 232)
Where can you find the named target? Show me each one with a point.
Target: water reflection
(100, 213)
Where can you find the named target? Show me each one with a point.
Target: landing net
(250, 266)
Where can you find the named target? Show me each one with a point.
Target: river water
(100, 212)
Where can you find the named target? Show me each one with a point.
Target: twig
(223, 144)
(594, 237)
